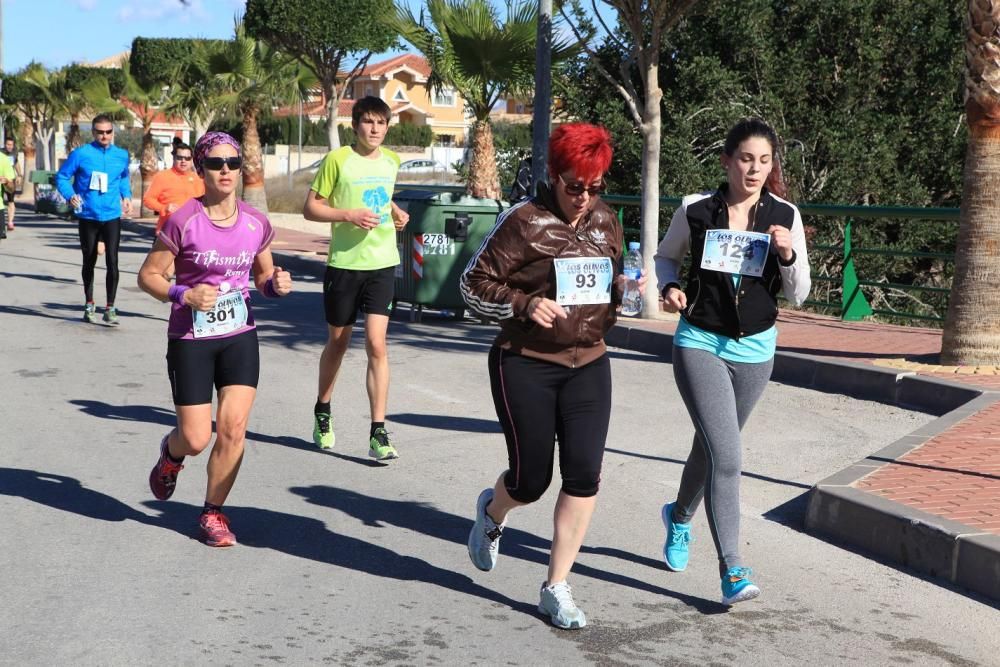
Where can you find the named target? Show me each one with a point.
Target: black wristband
(782, 262)
(666, 288)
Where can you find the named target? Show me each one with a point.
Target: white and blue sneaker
(675, 549)
(484, 538)
(737, 587)
(557, 601)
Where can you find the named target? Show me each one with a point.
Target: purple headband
(207, 142)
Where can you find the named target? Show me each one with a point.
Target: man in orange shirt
(172, 187)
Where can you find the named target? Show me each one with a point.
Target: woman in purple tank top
(215, 243)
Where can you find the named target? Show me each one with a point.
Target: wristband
(269, 290)
(176, 293)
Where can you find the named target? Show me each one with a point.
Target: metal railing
(854, 305)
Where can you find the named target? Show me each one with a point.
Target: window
(399, 96)
(369, 90)
(443, 98)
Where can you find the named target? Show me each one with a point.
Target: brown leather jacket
(514, 265)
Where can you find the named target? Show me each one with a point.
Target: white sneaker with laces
(557, 602)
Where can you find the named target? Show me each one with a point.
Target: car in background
(309, 170)
(422, 166)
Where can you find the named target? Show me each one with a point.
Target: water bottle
(632, 297)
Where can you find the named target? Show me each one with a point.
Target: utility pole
(543, 93)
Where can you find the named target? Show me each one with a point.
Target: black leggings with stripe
(92, 231)
(537, 402)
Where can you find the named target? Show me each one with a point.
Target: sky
(60, 32)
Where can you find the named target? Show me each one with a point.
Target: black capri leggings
(537, 402)
(92, 231)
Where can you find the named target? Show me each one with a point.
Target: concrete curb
(924, 542)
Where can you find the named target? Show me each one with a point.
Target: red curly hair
(581, 147)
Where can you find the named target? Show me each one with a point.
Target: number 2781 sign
(735, 252)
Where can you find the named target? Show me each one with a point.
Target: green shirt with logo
(347, 180)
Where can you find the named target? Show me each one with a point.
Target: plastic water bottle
(632, 298)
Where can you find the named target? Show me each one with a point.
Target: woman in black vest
(746, 244)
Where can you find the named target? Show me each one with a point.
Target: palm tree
(144, 101)
(194, 90)
(42, 105)
(972, 326)
(254, 77)
(482, 56)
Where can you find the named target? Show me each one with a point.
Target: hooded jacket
(515, 264)
(74, 178)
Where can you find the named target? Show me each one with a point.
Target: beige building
(401, 82)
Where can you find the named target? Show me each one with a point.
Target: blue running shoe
(484, 538)
(737, 587)
(675, 549)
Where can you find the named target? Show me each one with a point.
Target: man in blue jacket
(95, 181)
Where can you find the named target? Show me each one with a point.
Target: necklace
(235, 208)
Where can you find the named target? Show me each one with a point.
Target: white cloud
(159, 10)
(86, 5)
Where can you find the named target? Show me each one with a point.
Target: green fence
(853, 304)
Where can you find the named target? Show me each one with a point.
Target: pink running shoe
(215, 530)
(163, 476)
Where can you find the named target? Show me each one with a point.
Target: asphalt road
(342, 561)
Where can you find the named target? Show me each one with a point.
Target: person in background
(10, 150)
(352, 192)
(95, 181)
(171, 188)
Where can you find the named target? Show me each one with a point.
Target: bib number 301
(229, 314)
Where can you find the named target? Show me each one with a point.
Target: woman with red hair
(548, 271)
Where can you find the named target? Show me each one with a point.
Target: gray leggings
(719, 396)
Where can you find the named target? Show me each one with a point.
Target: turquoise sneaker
(675, 549)
(737, 587)
(90, 314)
(557, 602)
(111, 316)
(379, 447)
(484, 538)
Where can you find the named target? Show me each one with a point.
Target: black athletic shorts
(195, 366)
(346, 291)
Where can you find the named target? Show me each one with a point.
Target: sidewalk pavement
(930, 501)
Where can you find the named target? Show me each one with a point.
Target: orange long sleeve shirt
(171, 187)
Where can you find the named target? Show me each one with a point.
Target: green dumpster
(444, 232)
(47, 198)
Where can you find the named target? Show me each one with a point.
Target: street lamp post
(543, 93)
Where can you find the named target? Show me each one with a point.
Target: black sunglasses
(577, 189)
(111, 131)
(216, 163)
(184, 157)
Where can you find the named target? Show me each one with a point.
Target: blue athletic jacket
(75, 176)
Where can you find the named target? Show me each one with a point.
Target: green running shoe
(90, 314)
(323, 430)
(111, 316)
(379, 447)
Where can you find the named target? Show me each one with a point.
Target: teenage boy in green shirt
(353, 191)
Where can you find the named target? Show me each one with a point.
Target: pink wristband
(176, 293)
